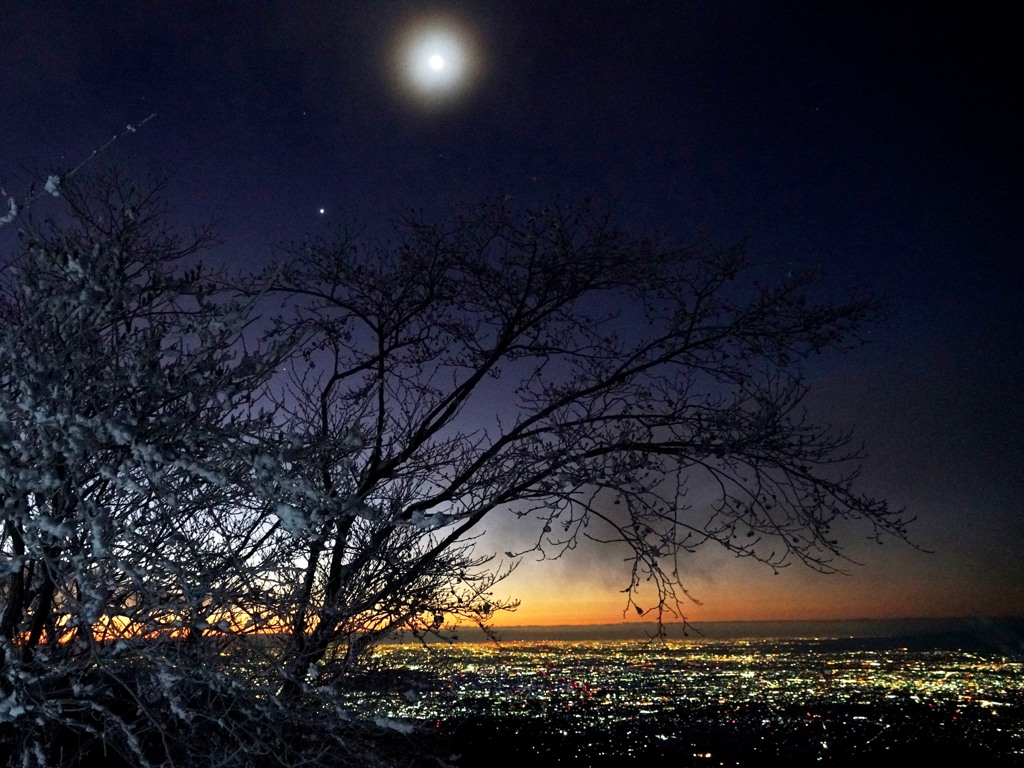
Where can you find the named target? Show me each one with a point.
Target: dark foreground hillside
(703, 740)
(696, 739)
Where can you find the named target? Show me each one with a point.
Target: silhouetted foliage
(549, 366)
(220, 490)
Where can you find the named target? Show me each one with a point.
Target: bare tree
(135, 530)
(549, 366)
(214, 501)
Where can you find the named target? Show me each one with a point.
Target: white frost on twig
(292, 520)
(12, 212)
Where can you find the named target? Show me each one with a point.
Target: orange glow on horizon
(111, 628)
(889, 589)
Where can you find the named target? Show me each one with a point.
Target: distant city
(734, 696)
(977, 632)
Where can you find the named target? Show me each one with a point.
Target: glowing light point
(435, 59)
(323, 211)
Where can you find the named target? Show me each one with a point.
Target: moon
(436, 59)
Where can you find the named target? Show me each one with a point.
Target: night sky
(875, 141)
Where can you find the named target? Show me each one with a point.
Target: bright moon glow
(436, 59)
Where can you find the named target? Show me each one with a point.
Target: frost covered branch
(52, 186)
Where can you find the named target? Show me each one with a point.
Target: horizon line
(695, 622)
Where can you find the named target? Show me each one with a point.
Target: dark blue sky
(875, 141)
